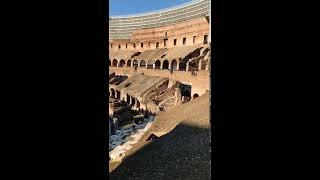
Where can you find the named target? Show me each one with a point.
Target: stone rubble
(119, 143)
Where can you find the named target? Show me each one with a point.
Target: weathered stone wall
(149, 37)
(200, 83)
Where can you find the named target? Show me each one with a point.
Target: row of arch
(134, 102)
(165, 64)
(173, 64)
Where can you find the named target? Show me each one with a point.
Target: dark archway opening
(129, 63)
(114, 63)
(142, 63)
(122, 63)
(157, 64)
(165, 64)
(174, 64)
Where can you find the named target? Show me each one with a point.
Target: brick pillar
(178, 63)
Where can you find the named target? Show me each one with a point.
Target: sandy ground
(182, 151)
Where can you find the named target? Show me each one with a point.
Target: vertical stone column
(178, 63)
(130, 100)
(161, 65)
(187, 66)
(131, 64)
(135, 104)
(154, 66)
(127, 99)
(118, 64)
(170, 65)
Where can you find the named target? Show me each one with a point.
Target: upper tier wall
(177, 35)
(121, 27)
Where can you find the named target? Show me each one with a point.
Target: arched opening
(138, 104)
(112, 93)
(122, 63)
(174, 64)
(135, 63)
(128, 99)
(142, 63)
(129, 63)
(114, 63)
(150, 64)
(205, 39)
(195, 96)
(118, 94)
(165, 64)
(158, 64)
(133, 101)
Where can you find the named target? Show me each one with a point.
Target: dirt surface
(182, 151)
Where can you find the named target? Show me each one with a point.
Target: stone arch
(174, 64)
(112, 93)
(157, 64)
(118, 94)
(165, 64)
(195, 95)
(142, 63)
(114, 63)
(135, 63)
(150, 64)
(129, 63)
(122, 63)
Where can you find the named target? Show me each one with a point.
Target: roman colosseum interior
(159, 78)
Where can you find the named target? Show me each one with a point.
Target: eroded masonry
(153, 68)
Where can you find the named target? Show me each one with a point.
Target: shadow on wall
(183, 153)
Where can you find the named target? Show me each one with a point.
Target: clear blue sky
(122, 7)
